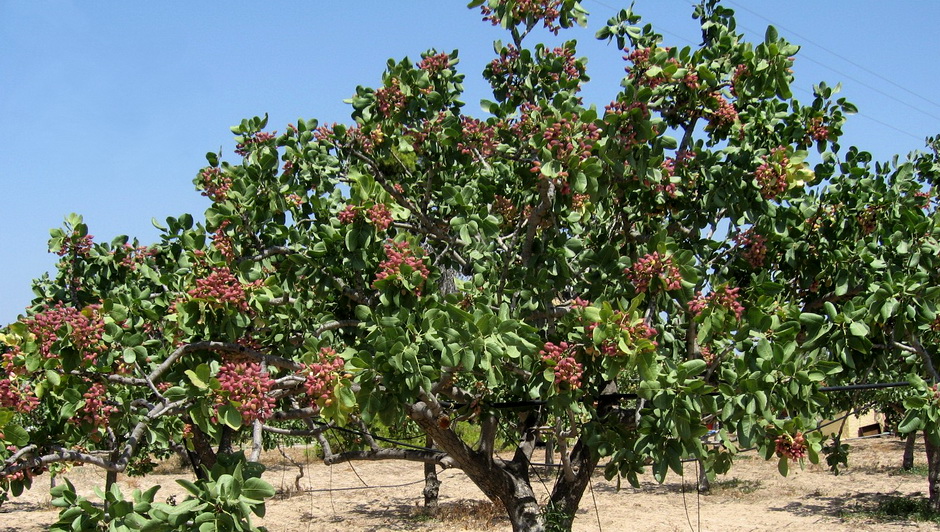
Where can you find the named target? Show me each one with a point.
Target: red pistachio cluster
(624, 116)
(723, 297)
(635, 331)
(347, 215)
(97, 410)
(560, 358)
(478, 137)
(817, 129)
(569, 137)
(400, 254)
(754, 247)
(740, 72)
(261, 137)
(215, 185)
(222, 242)
(707, 355)
(245, 386)
(86, 329)
(652, 266)
(547, 11)
(19, 397)
(435, 63)
(771, 175)
(220, 288)
(379, 216)
(792, 447)
(724, 117)
(868, 220)
(76, 245)
(390, 100)
(323, 374)
(133, 256)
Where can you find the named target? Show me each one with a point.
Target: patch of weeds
(896, 508)
(919, 470)
(478, 515)
(736, 484)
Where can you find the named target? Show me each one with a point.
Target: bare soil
(388, 496)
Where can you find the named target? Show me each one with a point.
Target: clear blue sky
(108, 107)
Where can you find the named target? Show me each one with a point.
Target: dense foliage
(624, 276)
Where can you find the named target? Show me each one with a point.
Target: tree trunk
(704, 486)
(933, 472)
(907, 463)
(202, 453)
(431, 484)
(501, 481)
(567, 493)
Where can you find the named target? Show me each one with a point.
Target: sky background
(109, 107)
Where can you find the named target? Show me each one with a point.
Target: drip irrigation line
(870, 386)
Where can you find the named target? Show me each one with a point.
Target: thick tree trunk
(907, 463)
(431, 484)
(202, 453)
(566, 496)
(501, 481)
(933, 473)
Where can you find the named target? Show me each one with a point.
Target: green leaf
(257, 489)
(783, 466)
(230, 416)
(16, 435)
(858, 328)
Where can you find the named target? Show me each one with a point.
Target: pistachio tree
(625, 276)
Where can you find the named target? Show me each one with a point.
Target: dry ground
(387, 496)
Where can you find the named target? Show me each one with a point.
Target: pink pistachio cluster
(390, 100)
(754, 247)
(435, 63)
(323, 374)
(624, 116)
(215, 185)
(560, 358)
(570, 68)
(740, 72)
(792, 447)
(400, 254)
(723, 117)
(635, 331)
(707, 355)
(640, 58)
(868, 220)
(97, 411)
(76, 245)
(771, 175)
(817, 129)
(478, 137)
(547, 11)
(245, 386)
(569, 137)
(424, 130)
(347, 215)
(222, 242)
(133, 256)
(18, 397)
(652, 266)
(220, 287)
(724, 297)
(379, 216)
(260, 137)
(85, 335)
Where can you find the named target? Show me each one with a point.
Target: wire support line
(840, 56)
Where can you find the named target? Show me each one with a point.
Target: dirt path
(387, 496)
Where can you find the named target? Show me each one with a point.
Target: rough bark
(431, 484)
(933, 472)
(501, 481)
(907, 463)
(567, 493)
